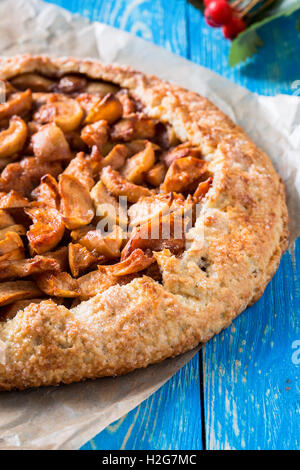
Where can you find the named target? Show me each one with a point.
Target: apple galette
(136, 220)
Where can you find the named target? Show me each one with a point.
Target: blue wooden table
(242, 390)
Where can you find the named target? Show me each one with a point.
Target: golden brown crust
(243, 227)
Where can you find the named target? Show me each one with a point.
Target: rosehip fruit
(232, 29)
(218, 13)
(211, 23)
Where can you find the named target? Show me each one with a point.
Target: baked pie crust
(147, 300)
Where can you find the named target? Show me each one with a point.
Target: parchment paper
(66, 417)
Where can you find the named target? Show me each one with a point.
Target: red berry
(232, 29)
(211, 23)
(207, 2)
(218, 13)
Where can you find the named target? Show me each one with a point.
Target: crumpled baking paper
(66, 417)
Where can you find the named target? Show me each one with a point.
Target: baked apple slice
(95, 134)
(26, 267)
(157, 234)
(47, 230)
(32, 81)
(76, 203)
(156, 175)
(183, 174)
(71, 84)
(58, 284)
(11, 247)
(16, 290)
(5, 219)
(12, 140)
(181, 151)
(49, 144)
(95, 283)
(99, 88)
(138, 145)
(202, 189)
(47, 192)
(60, 256)
(137, 261)
(116, 157)
(117, 185)
(107, 206)
(17, 228)
(13, 200)
(107, 109)
(17, 104)
(65, 112)
(25, 175)
(108, 246)
(127, 102)
(95, 160)
(134, 126)
(156, 206)
(81, 168)
(139, 164)
(80, 259)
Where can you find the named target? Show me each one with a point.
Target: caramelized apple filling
(90, 188)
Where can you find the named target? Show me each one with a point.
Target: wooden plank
(251, 393)
(169, 419)
(250, 382)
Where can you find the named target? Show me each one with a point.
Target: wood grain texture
(251, 371)
(250, 381)
(169, 419)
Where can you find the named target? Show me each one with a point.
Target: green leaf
(298, 25)
(245, 47)
(247, 43)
